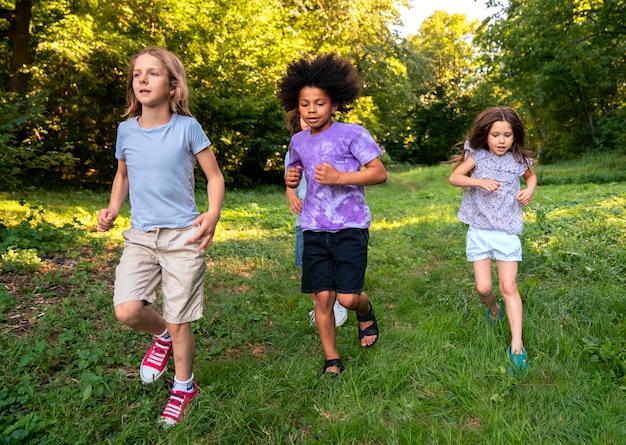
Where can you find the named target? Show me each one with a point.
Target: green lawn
(438, 374)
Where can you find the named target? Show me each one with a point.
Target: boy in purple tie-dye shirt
(337, 160)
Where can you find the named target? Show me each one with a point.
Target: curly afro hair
(329, 72)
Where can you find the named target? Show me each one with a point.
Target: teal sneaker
(518, 360)
(490, 316)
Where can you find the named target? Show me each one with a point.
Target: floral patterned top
(496, 210)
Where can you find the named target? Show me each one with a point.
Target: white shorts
(496, 244)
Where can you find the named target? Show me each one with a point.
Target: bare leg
(484, 285)
(507, 276)
(136, 315)
(325, 320)
(183, 348)
(361, 304)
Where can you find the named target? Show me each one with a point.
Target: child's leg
(359, 303)
(184, 349)
(137, 315)
(325, 320)
(484, 285)
(507, 276)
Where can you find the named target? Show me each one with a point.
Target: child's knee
(128, 314)
(484, 290)
(509, 289)
(352, 301)
(324, 301)
(180, 330)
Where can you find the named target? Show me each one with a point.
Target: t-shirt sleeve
(365, 148)
(467, 150)
(292, 158)
(119, 143)
(197, 137)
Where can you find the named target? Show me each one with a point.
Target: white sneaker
(312, 317)
(341, 314)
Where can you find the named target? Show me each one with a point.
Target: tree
(561, 62)
(81, 52)
(18, 34)
(443, 109)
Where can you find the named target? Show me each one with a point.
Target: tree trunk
(20, 37)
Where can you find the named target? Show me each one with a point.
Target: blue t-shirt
(160, 163)
(347, 147)
(300, 190)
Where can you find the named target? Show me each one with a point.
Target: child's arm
(460, 177)
(215, 192)
(525, 196)
(295, 203)
(373, 173)
(106, 217)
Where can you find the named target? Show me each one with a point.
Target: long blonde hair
(179, 99)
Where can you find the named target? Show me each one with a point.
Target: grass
(438, 375)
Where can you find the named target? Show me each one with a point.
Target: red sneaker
(175, 408)
(154, 363)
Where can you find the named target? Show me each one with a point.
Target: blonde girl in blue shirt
(494, 159)
(157, 148)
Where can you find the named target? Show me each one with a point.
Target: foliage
(438, 374)
(592, 168)
(82, 50)
(28, 235)
(442, 116)
(22, 131)
(561, 63)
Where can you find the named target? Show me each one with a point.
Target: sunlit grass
(439, 373)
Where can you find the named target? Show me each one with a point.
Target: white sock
(186, 386)
(165, 336)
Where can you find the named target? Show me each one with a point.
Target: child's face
(316, 108)
(151, 83)
(500, 138)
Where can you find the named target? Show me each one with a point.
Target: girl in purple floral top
(494, 158)
(337, 160)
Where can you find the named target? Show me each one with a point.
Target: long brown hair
(179, 99)
(477, 137)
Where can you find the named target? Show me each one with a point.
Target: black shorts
(334, 261)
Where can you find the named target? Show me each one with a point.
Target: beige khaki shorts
(161, 257)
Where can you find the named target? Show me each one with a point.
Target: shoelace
(174, 406)
(157, 354)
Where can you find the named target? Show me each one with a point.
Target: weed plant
(438, 375)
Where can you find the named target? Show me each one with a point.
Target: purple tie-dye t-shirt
(347, 147)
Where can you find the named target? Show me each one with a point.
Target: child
(494, 159)
(337, 160)
(296, 198)
(157, 148)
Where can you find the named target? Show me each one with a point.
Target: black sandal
(371, 329)
(333, 362)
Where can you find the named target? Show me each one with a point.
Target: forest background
(560, 63)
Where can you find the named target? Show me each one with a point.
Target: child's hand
(489, 185)
(293, 177)
(327, 174)
(524, 197)
(295, 206)
(206, 224)
(106, 220)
